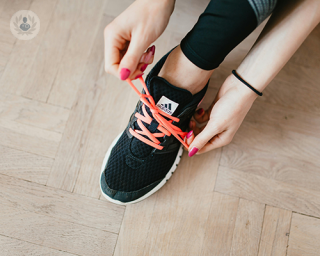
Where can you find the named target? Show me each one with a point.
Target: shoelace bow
(165, 127)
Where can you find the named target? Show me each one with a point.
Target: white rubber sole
(155, 189)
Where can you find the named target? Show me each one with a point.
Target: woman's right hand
(129, 35)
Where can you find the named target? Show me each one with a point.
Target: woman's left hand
(224, 117)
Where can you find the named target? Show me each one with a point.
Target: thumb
(202, 139)
(131, 59)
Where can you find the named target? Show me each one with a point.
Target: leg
(222, 26)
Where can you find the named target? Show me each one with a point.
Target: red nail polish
(153, 49)
(189, 134)
(143, 68)
(138, 76)
(200, 111)
(193, 151)
(124, 73)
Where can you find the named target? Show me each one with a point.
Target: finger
(189, 137)
(130, 60)
(202, 138)
(217, 141)
(112, 52)
(140, 70)
(195, 128)
(201, 115)
(148, 56)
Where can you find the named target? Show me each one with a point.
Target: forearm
(288, 27)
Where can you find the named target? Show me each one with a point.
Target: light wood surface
(59, 112)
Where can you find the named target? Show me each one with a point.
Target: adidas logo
(167, 105)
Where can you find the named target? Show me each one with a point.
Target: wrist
(244, 92)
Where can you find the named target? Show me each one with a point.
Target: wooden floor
(59, 112)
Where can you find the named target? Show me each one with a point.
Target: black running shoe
(145, 155)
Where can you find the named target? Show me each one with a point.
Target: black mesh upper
(120, 176)
(131, 166)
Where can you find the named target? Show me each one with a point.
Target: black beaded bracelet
(253, 89)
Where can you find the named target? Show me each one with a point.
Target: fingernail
(189, 134)
(124, 73)
(193, 151)
(153, 49)
(143, 68)
(138, 76)
(200, 111)
(148, 57)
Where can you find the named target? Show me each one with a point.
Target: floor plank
(275, 232)
(104, 131)
(220, 225)
(247, 229)
(275, 139)
(28, 138)
(24, 165)
(22, 57)
(290, 120)
(176, 215)
(134, 228)
(297, 172)
(267, 191)
(14, 247)
(55, 233)
(60, 204)
(304, 236)
(51, 52)
(308, 55)
(34, 113)
(75, 139)
(7, 40)
(66, 83)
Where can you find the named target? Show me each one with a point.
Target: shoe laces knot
(165, 126)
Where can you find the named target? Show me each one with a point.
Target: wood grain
(282, 93)
(220, 225)
(55, 233)
(304, 236)
(297, 172)
(275, 139)
(33, 113)
(50, 54)
(134, 228)
(75, 139)
(14, 247)
(176, 221)
(247, 229)
(290, 120)
(89, 174)
(275, 232)
(66, 83)
(23, 165)
(28, 138)
(267, 191)
(24, 52)
(308, 55)
(7, 40)
(60, 204)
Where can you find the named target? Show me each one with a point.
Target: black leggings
(221, 27)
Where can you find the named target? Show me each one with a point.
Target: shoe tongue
(169, 99)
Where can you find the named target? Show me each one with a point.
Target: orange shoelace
(165, 126)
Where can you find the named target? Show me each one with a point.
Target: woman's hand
(129, 35)
(224, 117)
